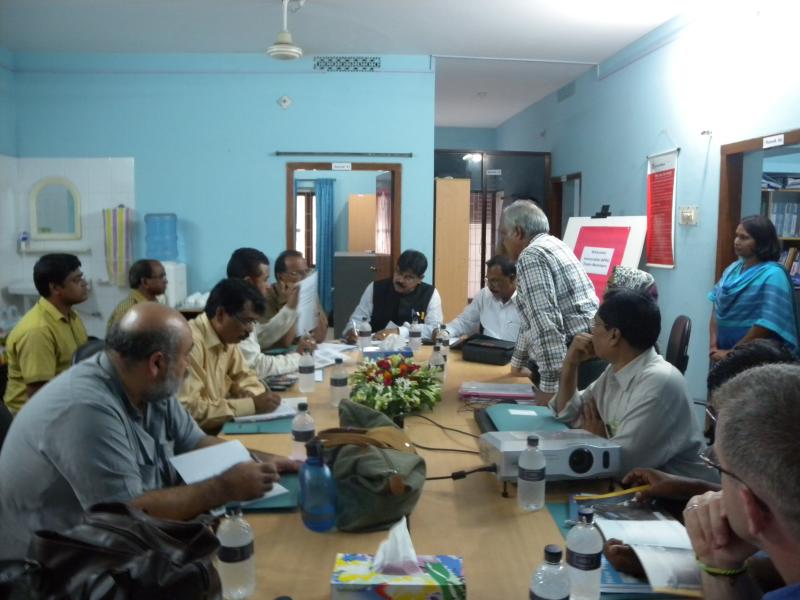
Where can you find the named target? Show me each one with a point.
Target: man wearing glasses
(391, 305)
(41, 345)
(219, 386)
(755, 453)
(148, 280)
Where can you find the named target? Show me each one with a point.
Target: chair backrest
(678, 344)
(5, 422)
(89, 349)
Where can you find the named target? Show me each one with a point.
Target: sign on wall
(661, 173)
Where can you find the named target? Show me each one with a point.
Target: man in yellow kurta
(43, 342)
(219, 385)
(148, 280)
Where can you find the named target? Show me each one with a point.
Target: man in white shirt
(253, 266)
(640, 401)
(390, 305)
(494, 307)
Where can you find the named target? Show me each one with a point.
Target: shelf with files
(783, 209)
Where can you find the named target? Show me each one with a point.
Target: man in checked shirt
(555, 296)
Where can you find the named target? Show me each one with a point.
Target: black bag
(489, 350)
(118, 553)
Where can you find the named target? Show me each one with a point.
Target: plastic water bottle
(443, 339)
(339, 388)
(306, 383)
(415, 336)
(364, 334)
(235, 561)
(317, 491)
(302, 432)
(23, 242)
(550, 580)
(530, 476)
(584, 548)
(436, 361)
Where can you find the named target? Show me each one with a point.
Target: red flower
(387, 379)
(384, 364)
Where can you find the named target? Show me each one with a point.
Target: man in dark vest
(391, 305)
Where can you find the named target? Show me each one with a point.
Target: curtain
(323, 188)
(118, 229)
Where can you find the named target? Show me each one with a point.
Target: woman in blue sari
(754, 297)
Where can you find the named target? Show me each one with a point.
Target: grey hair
(138, 344)
(757, 434)
(527, 216)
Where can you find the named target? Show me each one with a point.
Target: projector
(570, 454)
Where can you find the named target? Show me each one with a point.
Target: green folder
(275, 426)
(283, 502)
(539, 418)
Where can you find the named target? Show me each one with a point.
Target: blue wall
(465, 138)
(347, 182)
(659, 93)
(8, 137)
(203, 130)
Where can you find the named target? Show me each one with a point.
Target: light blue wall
(8, 137)
(659, 93)
(465, 138)
(203, 130)
(347, 182)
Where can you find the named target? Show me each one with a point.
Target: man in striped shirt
(148, 280)
(555, 297)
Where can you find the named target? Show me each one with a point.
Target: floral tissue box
(442, 578)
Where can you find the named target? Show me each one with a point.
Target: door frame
(731, 167)
(397, 186)
(556, 196)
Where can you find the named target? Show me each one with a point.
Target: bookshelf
(783, 209)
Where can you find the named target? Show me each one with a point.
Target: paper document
(202, 464)
(326, 354)
(307, 305)
(650, 533)
(319, 375)
(522, 413)
(287, 408)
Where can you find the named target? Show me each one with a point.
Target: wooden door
(361, 214)
(451, 249)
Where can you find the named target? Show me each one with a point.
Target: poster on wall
(661, 175)
(602, 244)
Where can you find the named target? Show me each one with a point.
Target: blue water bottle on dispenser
(161, 236)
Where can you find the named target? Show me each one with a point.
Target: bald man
(104, 431)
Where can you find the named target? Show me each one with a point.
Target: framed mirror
(55, 207)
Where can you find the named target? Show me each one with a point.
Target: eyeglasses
(408, 277)
(246, 322)
(160, 276)
(709, 457)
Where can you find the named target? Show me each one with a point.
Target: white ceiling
(470, 93)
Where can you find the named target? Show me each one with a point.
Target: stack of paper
(326, 353)
(286, 409)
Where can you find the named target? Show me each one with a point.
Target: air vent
(566, 91)
(347, 64)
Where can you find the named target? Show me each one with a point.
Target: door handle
(373, 268)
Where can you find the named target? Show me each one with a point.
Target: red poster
(661, 209)
(600, 249)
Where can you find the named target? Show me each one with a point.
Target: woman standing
(754, 297)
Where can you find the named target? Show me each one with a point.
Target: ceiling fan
(284, 48)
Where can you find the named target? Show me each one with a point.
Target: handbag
(378, 473)
(489, 350)
(117, 553)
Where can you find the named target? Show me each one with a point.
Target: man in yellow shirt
(219, 385)
(43, 342)
(148, 280)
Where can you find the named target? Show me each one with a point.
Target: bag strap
(389, 437)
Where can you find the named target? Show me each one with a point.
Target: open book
(659, 541)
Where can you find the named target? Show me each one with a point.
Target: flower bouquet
(395, 386)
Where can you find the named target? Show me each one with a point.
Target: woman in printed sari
(754, 297)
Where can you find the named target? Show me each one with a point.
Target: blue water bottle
(317, 491)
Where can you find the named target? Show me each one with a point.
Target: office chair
(678, 344)
(89, 349)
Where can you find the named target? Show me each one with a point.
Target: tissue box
(442, 578)
(375, 352)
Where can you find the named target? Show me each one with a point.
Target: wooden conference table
(500, 544)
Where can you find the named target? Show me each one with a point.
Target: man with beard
(104, 431)
(220, 385)
(390, 305)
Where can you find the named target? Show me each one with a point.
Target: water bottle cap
(338, 361)
(586, 514)
(436, 348)
(302, 406)
(533, 441)
(552, 553)
(314, 449)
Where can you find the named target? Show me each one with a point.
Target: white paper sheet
(307, 309)
(326, 354)
(650, 533)
(319, 375)
(286, 409)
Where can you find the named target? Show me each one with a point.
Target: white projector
(570, 454)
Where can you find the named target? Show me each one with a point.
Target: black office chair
(89, 349)
(678, 344)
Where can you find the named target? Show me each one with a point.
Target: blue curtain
(323, 188)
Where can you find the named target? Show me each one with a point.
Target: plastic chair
(678, 344)
(89, 349)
